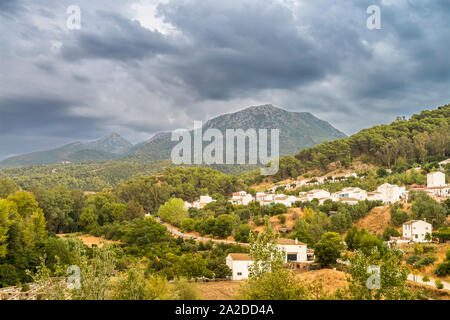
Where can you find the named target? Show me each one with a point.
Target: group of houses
(387, 193)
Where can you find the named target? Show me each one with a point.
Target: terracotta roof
(284, 241)
(348, 199)
(411, 222)
(240, 256)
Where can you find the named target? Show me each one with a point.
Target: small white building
(260, 196)
(294, 249)
(239, 263)
(435, 179)
(283, 199)
(391, 193)
(374, 196)
(350, 201)
(204, 200)
(241, 198)
(351, 192)
(416, 230)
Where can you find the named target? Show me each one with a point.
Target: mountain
(298, 130)
(107, 148)
(423, 139)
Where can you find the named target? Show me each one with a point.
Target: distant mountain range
(298, 130)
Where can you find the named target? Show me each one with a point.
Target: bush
(426, 279)
(425, 261)
(443, 269)
(282, 219)
(412, 259)
(439, 284)
(188, 224)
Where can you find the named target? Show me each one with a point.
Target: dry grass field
(88, 239)
(222, 290)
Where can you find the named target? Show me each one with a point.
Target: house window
(239, 273)
(291, 257)
(417, 236)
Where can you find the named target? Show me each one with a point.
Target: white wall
(238, 266)
(435, 179)
(417, 231)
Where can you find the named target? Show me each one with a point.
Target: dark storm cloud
(119, 39)
(28, 115)
(10, 7)
(242, 46)
(117, 73)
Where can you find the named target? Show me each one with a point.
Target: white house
(350, 201)
(351, 192)
(260, 196)
(267, 200)
(204, 200)
(391, 193)
(435, 179)
(416, 230)
(443, 192)
(374, 196)
(294, 249)
(241, 198)
(239, 263)
(315, 194)
(283, 199)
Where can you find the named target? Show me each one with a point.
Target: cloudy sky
(137, 67)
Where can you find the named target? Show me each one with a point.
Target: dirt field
(87, 239)
(224, 290)
(331, 279)
(291, 216)
(379, 218)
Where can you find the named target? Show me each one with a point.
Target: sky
(139, 67)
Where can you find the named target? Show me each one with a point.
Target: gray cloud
(125, 72)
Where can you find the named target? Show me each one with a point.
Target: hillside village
(196, 224)
(298, 256)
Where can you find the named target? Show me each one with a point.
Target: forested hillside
(403, 142)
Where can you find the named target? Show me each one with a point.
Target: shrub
(443, 269)
(282, 219)
(439, 284)
(425, 261)
(412, 259)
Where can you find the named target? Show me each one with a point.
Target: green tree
(388, 284)
(7, 187)
(188, 224)
(224, 226)
(5, 212)
(173, 211)
(329, 248)
(265, 253)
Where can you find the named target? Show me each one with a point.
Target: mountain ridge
(298, 130)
